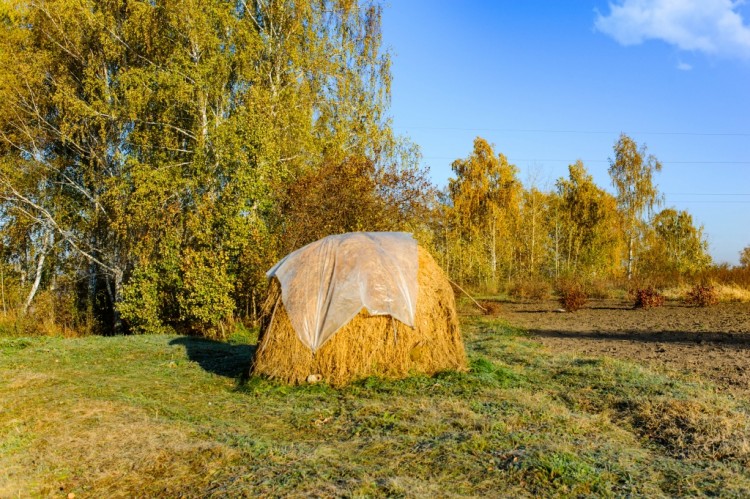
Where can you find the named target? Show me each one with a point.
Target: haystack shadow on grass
(224, 359)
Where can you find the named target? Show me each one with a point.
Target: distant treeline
(493, 230)
(157, 157)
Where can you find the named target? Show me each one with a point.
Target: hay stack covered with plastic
(355, 305)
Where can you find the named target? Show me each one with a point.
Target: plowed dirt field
(704, 343)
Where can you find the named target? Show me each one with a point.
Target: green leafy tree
(151, 138)
(632, 171)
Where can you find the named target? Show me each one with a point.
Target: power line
(583, 132)
(706, 194)
(702, 162)
(709, 202)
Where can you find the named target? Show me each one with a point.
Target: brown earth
(703, 343)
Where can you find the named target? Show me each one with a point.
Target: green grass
(169, 416)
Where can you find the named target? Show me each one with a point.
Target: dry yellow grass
(734, 293)
(725, 293)
(368, 345)
(119, 447)
(693, 429)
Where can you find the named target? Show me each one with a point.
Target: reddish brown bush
(572, 296)
(647, 298)
(491, 307)
(702, 295)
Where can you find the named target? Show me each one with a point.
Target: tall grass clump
(726, 275)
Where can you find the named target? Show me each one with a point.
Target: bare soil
(705, 343)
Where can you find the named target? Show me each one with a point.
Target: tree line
(157, 157)
(494, 230)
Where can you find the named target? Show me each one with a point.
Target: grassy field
(169, 416)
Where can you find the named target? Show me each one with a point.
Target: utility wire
(702, 162)
(586, 132)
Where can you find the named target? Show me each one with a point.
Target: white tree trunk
(630, 257)
(48, 240)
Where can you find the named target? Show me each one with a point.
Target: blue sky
(550, 82)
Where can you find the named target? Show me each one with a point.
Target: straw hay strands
(367, 345)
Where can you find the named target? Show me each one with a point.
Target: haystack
(368, 345)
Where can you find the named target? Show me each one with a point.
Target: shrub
(647, 298)
(572, 296)
(702, 295)
(206, 297)
(140, 305)
(530, 289)
(491, 307)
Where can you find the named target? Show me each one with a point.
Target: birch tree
(485, 196)
(589, 225)
(632, 172)
(674, 245)
(745, 257)
(161, 137)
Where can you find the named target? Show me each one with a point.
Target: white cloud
(684, 66)
(711, 26)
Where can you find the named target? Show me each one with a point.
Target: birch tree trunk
(46, 245)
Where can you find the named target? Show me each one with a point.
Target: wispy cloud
(684, 66)
(711, 26)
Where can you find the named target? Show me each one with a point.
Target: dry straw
(368, 345)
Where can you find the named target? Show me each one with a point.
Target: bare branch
(45, 215)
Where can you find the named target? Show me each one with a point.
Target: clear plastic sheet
(327, 283)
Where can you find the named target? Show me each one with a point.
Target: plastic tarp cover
(325, 284)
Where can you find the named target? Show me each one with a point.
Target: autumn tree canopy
(145, 147)
(587, 227)
(484, 200)
(674, 245)
(156, 158)
(745, 257)
(632, 171)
